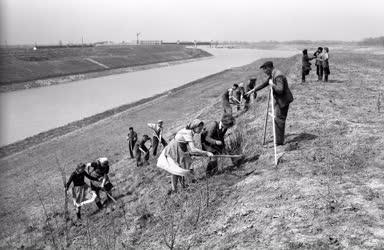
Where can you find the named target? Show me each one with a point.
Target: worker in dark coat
(249, 93)
(212, 140)
(306, 65)
(228, 99)
(142, 150)
(132, 139)
(282, 97)
(319, 65)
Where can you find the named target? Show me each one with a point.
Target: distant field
(25, 64)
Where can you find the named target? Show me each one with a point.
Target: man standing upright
(319, 63)
(157, 135)
(282, 96)
(132, 139)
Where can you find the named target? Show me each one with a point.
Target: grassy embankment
(26, 68)
(327, 192)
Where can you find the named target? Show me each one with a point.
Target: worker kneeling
(99, 170)
(212, 140)
(176, 156)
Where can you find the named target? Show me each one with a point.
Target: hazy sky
(48, 21)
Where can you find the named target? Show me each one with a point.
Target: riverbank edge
(46, 82)
(42, 137)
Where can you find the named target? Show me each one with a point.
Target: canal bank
(29, 112)
(105, 137)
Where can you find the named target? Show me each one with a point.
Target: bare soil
(326, 193)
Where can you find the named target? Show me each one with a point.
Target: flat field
(326, 193)
(25, 64)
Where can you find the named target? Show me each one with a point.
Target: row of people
(139, 149)
(176, 157)
(322, 64)
(212, 141)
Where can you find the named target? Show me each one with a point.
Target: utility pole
(137, 38)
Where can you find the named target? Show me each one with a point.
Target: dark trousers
(304, 72)
(248, 98)
(326, 73)
(131, 145)
(139, 160)
(319, 72)
(155, 144)
(175, 180)
(212, 167)
(302, 76)
(97, 190)
(280, 117)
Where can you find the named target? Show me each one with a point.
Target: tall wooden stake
(273, 127)
(266, 119)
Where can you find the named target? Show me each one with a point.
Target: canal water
(28, 112)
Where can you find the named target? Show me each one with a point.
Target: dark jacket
(141, 145)
(132, 136)
(306, 62)
(210, 135)
(251, 85)
(78, 179)
(281, 92)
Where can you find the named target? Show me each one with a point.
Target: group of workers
(176, 156)
(236, 95)
(139, 150)
(322, 64)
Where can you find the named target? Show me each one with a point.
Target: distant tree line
(373, 41)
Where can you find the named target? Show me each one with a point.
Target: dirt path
(327, 193)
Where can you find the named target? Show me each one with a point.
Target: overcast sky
(48, 21)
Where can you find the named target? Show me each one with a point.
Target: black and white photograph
(175, 124)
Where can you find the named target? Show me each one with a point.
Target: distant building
(150, 42)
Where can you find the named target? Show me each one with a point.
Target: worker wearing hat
(282, 96)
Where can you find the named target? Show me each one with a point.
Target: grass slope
(327, 192)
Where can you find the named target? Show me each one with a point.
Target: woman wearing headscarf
(306, 65)
(176, 156)
(80, 190)
(325, 63)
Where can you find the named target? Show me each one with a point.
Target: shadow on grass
(301, 137)
(336, 81)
